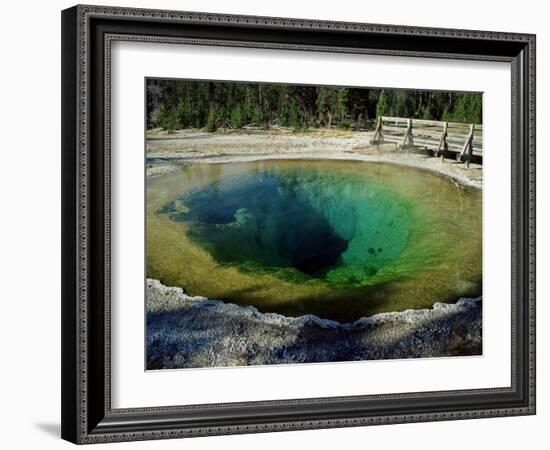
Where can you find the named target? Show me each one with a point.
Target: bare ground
(184, 332)
(167, 152)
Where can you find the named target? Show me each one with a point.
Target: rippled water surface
(337, 239)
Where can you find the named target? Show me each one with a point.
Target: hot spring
(336, 239)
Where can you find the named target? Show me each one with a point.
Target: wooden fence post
(442, 146)
(468, 148)
(378, 136)
(408, 137)
(440, 138)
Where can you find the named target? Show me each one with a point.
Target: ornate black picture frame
(87, 34)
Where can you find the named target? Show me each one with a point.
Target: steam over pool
(336, 239)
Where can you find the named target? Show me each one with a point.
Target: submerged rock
(185, 331)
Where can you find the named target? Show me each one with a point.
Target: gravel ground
(166, 153)
(184, 331)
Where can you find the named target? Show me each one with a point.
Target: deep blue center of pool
(265, 220)
(321, 225)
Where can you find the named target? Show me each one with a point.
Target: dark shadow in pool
(264, 221)
(339, 306)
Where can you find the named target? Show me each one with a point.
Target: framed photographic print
(281, 224)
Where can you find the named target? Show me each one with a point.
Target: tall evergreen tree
(383, 105)
(176, 104)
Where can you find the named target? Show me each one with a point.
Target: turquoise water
(332, 238)
(320, 224)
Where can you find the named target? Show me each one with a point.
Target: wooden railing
(445, 138)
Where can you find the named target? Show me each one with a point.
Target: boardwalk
(446, 139)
